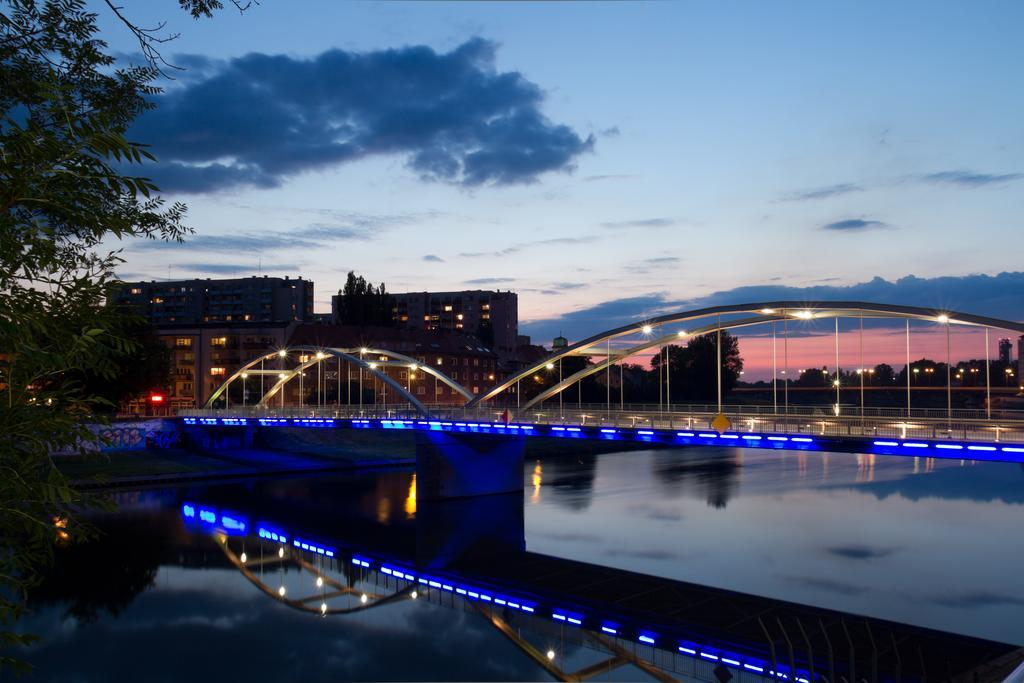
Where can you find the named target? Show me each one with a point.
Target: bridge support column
(458, 465)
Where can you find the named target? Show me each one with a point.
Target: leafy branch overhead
(65, 107)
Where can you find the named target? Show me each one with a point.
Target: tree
(883, 375)
(360, 303)
(144, 366)
(693, 369)
(65, 106)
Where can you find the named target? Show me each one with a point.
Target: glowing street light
(550, 366)
(282, 353)
(804, 315)
(943, 318)
(646, 329)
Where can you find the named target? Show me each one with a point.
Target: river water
(933, 543)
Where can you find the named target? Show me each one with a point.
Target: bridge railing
(821, 423)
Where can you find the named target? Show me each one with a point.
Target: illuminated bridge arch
(752, 314)
(356, 357)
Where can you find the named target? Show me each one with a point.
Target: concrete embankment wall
(128, 435)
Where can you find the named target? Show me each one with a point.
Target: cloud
(640, 223)
(516, 248)
(234, 268)
(489, 281)
(584, 322)
(612, 132)
(822, 192)
(854, 225)
(647, 265)
(992, 295)
(568, 285)
(970, 179)
(346, 227)
(257, 120)
(433, 259)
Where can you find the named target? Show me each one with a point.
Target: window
(447, 308)
(156, 300)
(186, 388)
(476, 376)
(439, 390)
(476, 390)
(440, 361)
(135, 290)
(485, 307)
(476, 362)
(420, 390)
(183, 342)
(485, 316)
(219, 342)
(217, 372)
(459, 316)
(426, 317)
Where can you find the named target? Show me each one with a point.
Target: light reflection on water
(929, 542)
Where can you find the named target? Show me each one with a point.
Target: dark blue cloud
(971, 179)
(992, 295)
(260, 119)
(853, 225)
(235, 268)
(433, 258)
(822, 192)
(489, 281)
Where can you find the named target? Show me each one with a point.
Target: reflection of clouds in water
(263, 640)
(644, 554)
(656, 512)
(977, 599)
(827, 585)
(569, 537)
(859, 552)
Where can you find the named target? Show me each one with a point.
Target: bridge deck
(957, 438)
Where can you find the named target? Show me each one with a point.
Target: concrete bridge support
(459, 465)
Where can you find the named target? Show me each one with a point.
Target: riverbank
(124, 469)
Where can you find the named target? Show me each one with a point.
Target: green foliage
(363, 304)
(64, 109)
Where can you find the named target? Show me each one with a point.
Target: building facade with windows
(204, 355)
(252, 299)
(491, 316)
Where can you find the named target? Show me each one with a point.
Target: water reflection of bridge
(470, 555)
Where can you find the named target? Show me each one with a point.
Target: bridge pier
(459, 465)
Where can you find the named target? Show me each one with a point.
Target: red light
(156, 398)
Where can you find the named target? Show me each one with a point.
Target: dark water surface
(927, 542)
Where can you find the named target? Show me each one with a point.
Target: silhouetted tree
(363, 304)
(693, 372)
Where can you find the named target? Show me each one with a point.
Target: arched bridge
(293, 387)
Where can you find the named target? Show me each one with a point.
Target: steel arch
(345, 354)
(763, 313)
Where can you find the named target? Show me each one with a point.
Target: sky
(607, 161)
